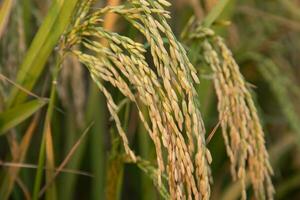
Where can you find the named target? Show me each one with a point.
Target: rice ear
(167, 90)
(241, 128)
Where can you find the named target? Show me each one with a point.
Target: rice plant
(98, 76)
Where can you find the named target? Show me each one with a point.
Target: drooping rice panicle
(167, 90)
(241, 128)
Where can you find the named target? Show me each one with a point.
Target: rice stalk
(241, 128)
(167, 91)
(46, 153)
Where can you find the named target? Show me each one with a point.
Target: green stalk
(68, 181)
(96, 112)
(39, 173)
(42, 155)
(27, 19)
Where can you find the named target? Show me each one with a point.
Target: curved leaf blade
(17, 114)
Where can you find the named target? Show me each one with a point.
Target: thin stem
(42, 154)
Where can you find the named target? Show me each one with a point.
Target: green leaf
(215, 12)
(17, 114)
(5, 10)
(40, 49)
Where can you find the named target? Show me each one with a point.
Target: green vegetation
(149, 99)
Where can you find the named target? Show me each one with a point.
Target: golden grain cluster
(167, 90)
(241, 128)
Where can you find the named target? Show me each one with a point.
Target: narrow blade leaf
(215, 13)
(17, 114)
(43, 43)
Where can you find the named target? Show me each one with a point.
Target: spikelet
(167, 91)
(242, 131)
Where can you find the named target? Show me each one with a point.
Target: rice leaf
(17, 114)
(4, 14)
(215, 13)
(41, 47)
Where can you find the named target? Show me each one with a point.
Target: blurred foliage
(264, 39)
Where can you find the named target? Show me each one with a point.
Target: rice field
(149, 99)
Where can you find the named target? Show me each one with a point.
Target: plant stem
(49, 113)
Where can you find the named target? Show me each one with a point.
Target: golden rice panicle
(177, 74)
(242, 131)
(112, 107)
(258, 161)
(112, 61)
(167, 92)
